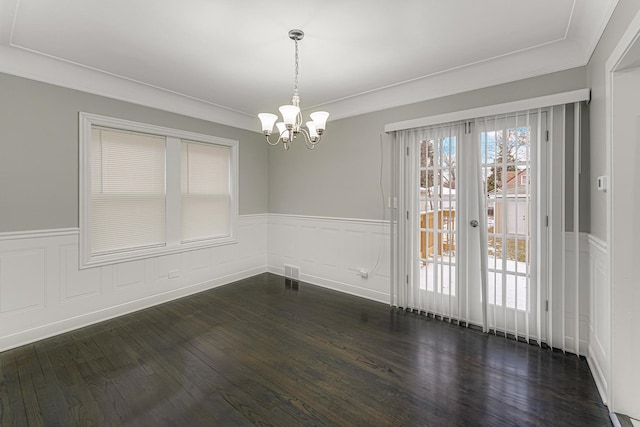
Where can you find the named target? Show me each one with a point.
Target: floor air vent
(291, 275)
(291, 271)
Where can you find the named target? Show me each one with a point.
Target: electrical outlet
(174, 273)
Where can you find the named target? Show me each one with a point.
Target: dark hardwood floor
(257, 352)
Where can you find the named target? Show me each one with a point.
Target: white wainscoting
(331, 252)
(600, 315)
(43, 293)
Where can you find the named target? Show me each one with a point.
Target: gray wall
(340, 178)
(622, 16)
(584, 170)
(39, 152)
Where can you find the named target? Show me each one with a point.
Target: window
(147, 190)
(205, 191)
(127, 208)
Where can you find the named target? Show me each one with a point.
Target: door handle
(473, 223)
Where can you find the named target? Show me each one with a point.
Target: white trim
(598, 356)
(490, 110)
(250, 216)
(599, 243)
(590, 45)
(511, 67)
(563, 225)
(576, 211)
(615, 61)
(327, 218)
(126, 256)
(56, 232)
(614, 419)
(598, 377)
(37, 234)
(550, 229)
(116, 123)
(86, 122)
(339, 286)
(54, 71)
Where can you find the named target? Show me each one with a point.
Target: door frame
(625, 55)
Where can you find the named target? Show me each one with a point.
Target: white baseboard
(346, 288)
(598, 377)
(614, 420)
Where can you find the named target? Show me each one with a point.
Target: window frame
(173, 140)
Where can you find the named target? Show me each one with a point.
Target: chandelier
(291, 125)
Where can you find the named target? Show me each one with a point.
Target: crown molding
(30, 65)
(550, 58)
(574, 50)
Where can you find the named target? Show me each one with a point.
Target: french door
(513, 149)
(474, 198)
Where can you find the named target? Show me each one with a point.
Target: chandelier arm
(307, 139)
(273, 143)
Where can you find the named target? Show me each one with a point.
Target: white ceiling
(226, 61)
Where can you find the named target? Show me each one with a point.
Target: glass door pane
(509, 147)
(437, 228)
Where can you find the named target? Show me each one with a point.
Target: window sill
(135, 255)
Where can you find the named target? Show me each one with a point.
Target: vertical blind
(127, 209)
(205, 190)
(432, 262)
(513, 180)
(510, 174)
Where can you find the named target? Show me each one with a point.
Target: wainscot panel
(582, 298)
(43, 293)
(347, 255)
(600, 317)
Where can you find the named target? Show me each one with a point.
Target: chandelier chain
(295, 88)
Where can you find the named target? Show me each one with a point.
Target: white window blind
(205, 191)
(148, 190)
(127, 208)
